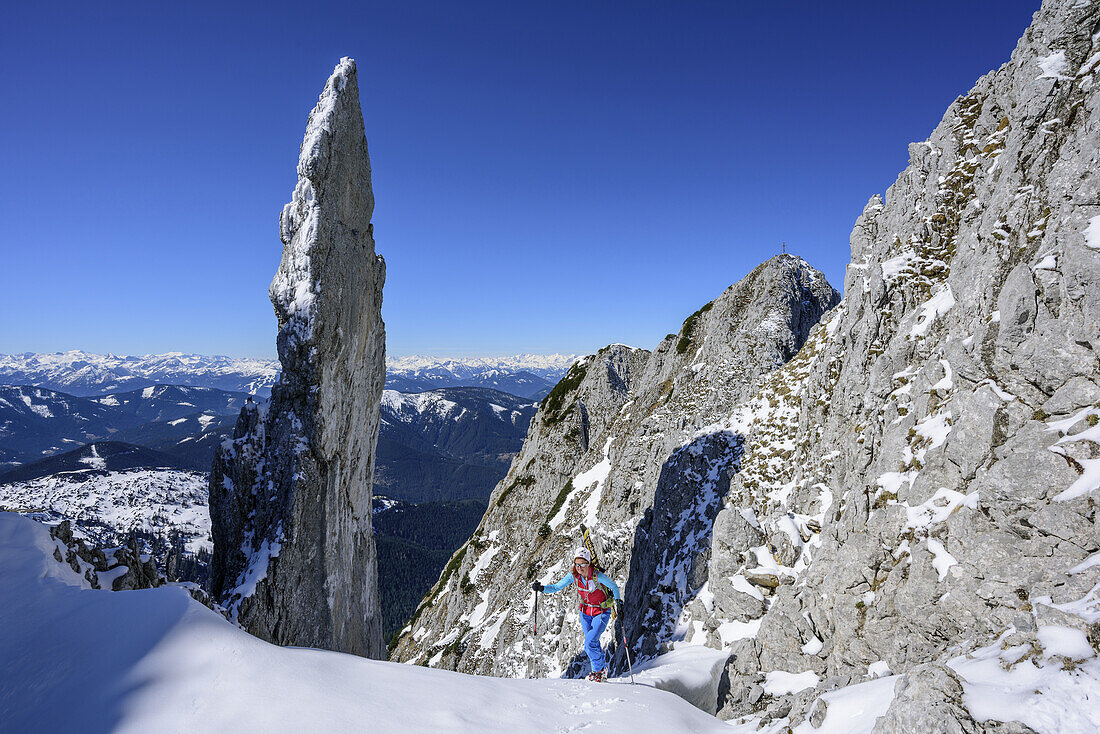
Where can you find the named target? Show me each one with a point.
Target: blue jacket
(568, 579)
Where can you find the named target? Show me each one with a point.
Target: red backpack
(595, 597)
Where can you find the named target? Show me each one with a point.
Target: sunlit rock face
(907, 488)
(291, 495)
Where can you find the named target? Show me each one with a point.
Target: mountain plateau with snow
(104, 507)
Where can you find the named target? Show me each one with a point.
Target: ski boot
(596, 676)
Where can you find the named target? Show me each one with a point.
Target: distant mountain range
(132, 456)
(526, 375)
(36, 422)
(452, 443)
(448, 444)
(475, 425)
(190, 440)
(171, 402)
(543, 365)
(83, 374)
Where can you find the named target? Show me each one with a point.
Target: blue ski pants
(593, 627)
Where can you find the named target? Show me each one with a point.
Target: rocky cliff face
(912, 497)
(605, 448)
(290, 497)
(935, 488)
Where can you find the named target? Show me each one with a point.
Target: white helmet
(582, 553)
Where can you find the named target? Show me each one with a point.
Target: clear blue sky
(548, 176)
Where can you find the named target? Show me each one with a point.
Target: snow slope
(155, 660)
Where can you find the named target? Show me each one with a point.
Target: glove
(537, 586)
(619, 608)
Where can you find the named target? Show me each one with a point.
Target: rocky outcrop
(290, 496)
(607, 448)
(115, 569)
(122, 568)
(927, 698)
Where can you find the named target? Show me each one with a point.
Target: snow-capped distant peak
(526, 375)
(82, 373)
(454, 404)
(399, 402)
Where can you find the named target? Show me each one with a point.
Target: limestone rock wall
(290, 496)
(920, 478)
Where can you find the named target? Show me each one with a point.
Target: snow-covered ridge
(401, 407)
(399, 402)
(31, 400)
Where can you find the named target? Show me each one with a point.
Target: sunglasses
(580, 563)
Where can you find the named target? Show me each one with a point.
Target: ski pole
(626, 648)
(629, 664)
(531, 668)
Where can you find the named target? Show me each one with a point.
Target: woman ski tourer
(598, 593)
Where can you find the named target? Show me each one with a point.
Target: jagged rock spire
(290, 498)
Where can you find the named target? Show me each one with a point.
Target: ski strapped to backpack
(596, 569)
